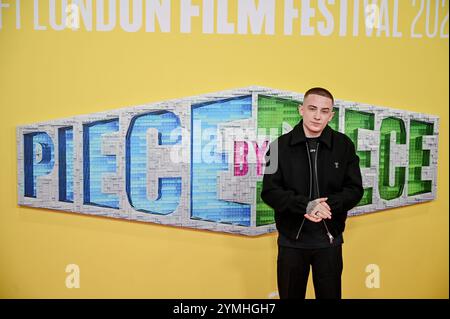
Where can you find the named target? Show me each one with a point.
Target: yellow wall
(47, 75)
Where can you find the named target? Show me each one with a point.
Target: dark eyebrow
(325, 108)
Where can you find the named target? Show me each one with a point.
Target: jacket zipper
(330, 237)
(310, 184)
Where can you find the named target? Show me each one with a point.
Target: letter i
(18, 14)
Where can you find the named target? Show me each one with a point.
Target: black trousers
(293, 265)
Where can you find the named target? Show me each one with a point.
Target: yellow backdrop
(50, 74)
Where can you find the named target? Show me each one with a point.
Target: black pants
(293, 266)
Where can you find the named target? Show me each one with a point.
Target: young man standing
(317, 180)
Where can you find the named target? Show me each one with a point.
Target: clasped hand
(317, 210)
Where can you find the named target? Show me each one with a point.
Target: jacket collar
(298, 135)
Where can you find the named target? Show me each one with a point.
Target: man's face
(317, 111)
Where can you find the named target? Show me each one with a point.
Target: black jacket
(287, 190)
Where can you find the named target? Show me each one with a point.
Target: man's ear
(332, 115)
(300, 110)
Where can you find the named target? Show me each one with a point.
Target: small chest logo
(336, 164)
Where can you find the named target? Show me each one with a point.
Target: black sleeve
(352, 190)
(274, 192)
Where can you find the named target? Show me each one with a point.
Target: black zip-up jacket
(288, 190)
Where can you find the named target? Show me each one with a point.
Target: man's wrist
(310, 207)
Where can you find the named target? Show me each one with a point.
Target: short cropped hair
(319, 91)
